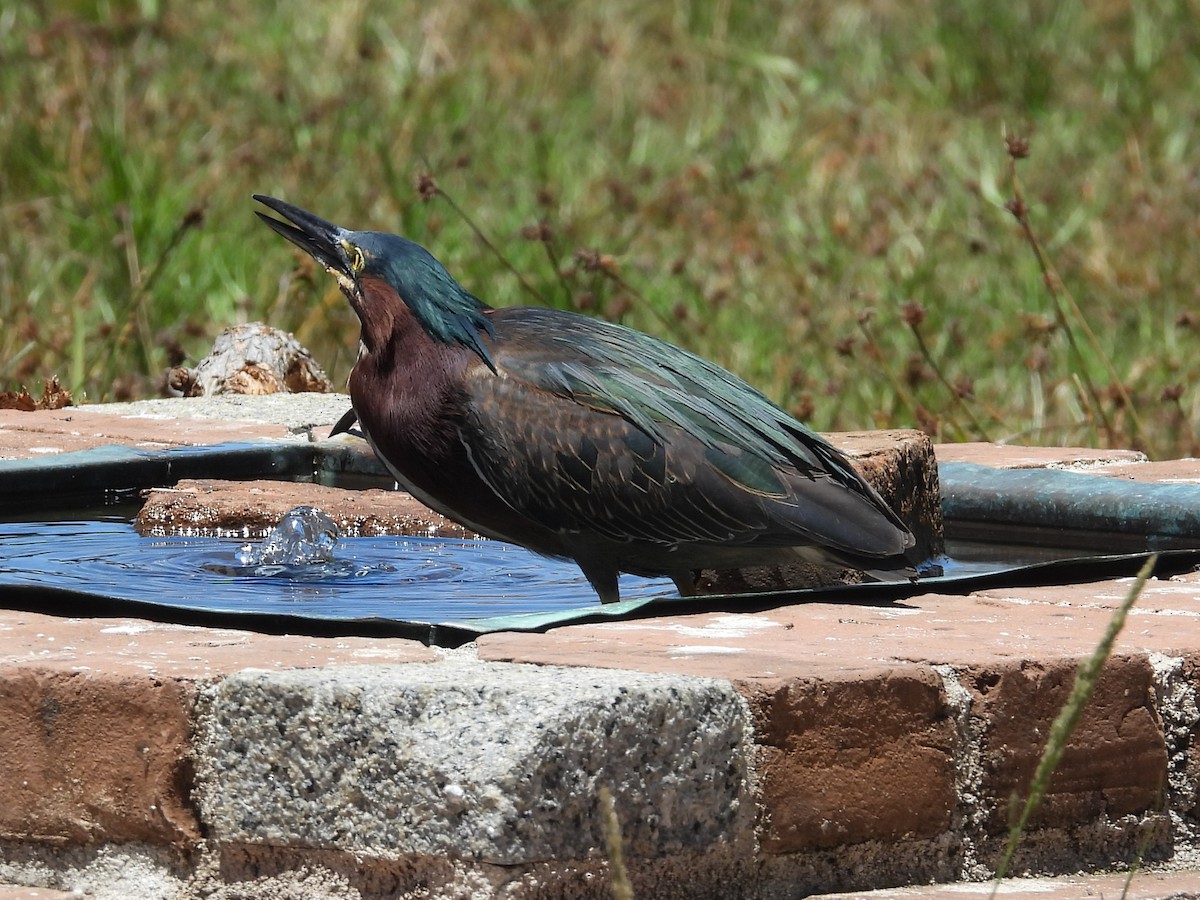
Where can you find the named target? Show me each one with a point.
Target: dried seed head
(193, 218)
(915, 371)
(1017, 207)
(595, 261)
(804, 407)
(619, 306)
(427, 186)
(1038, 325)
(927, 421)
(540, 232)
(913, 313)
(1171, 393)
(1017, 146)
(1038, 359)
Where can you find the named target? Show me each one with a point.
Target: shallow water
(404, 579)
(410, 578)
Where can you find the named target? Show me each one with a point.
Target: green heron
(582, 439)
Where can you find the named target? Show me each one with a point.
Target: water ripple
(404, 578)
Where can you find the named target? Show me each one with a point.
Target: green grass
(773, 184)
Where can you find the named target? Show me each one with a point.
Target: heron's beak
(323, 241)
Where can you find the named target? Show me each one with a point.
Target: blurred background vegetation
(817, 196)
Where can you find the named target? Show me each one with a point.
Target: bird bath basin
(73, 549)
(397, 578)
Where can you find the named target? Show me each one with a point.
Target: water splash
(304, 535)
(302, 547)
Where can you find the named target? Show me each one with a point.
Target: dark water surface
(403, 579)
(411, 578)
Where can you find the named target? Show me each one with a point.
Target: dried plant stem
(1064, 300)
(139, 321)
(555, 262)
(486, 241)
(431, 187)
(906, 396)
(79, 303)
(980, 431)
(622, 888)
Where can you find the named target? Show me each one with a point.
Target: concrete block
(99, 871)
(494, 763)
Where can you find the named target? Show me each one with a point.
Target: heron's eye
(356, 257)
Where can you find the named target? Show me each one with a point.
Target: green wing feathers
(591, 427)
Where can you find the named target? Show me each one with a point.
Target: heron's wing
(588, 427)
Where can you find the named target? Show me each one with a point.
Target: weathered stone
(495, 763)
(210, 506)
(253, 358)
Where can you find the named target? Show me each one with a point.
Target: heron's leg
(686, 582)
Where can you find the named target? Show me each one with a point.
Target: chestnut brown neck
(406, 386)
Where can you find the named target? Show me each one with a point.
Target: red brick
(1003, 456)
(88, 758)
(209, 505)
(1114, 764)
(47, 432)
(841, 762)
